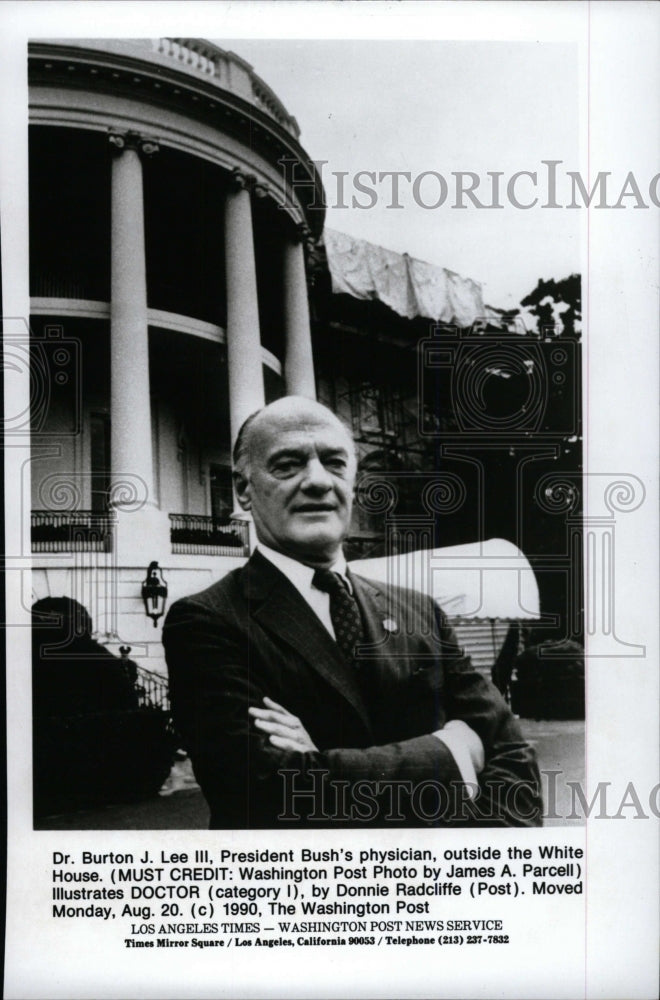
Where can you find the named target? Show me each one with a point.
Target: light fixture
(154, 593)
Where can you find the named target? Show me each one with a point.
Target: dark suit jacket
(252, 634)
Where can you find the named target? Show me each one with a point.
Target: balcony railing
(197, 535)
(152, 689)
(229, 71)
(71, 531)
(81, 284)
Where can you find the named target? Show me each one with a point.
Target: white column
(246, 383)
(131, 450)
(298, 362)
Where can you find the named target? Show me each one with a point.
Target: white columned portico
(298, 359)
(245, 375)
(131, 448)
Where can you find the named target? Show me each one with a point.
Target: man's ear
(242, 488)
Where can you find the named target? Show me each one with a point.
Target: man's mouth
(315, 508)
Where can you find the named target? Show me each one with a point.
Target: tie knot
(344, 611)
(326, 580)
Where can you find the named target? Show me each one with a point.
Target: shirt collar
(299, 573)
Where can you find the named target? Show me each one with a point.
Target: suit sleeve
(214, 679)
(509, 786)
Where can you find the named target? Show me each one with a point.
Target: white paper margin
(613, 953)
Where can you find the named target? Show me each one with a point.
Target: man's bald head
(287, 411)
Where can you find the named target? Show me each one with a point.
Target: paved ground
(559, 747)
(180, 805)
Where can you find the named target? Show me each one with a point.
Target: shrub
(549, 681)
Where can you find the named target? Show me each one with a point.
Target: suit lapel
(382, 628)
(276, 604)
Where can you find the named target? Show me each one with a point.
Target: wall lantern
(154, 593)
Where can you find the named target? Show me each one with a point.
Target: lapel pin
(390, 625)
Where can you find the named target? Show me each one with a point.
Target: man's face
(298, 484)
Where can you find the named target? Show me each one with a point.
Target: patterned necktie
(344, 611)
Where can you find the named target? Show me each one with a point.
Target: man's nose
(316, 476)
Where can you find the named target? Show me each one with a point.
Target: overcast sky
(439, 106)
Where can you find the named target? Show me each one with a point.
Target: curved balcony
(229, 71)
(197, 58)
(71, 531)
(89, 531)
(198, 535)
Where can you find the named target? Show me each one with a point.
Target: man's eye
(285, 468)
(336, 464)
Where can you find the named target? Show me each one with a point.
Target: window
(100, 460)
(222, 497)
(376, 412)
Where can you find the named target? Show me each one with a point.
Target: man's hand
(285, 731)
(456, 732)
(466, 749)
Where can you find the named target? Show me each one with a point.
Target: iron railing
(71, 531)
(198, 535)
(152, 689)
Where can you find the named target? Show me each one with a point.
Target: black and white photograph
(329, 508)
(183, 276)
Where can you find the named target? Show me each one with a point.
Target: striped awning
(491, 579)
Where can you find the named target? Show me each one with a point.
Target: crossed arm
(240, 738)
(286, 732)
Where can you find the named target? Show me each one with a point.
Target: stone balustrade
(229, 71)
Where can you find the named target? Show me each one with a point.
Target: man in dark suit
(307, 695)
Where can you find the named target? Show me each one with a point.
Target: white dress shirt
(301, 577)
(462, 742)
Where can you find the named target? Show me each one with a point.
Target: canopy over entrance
(491, 579)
